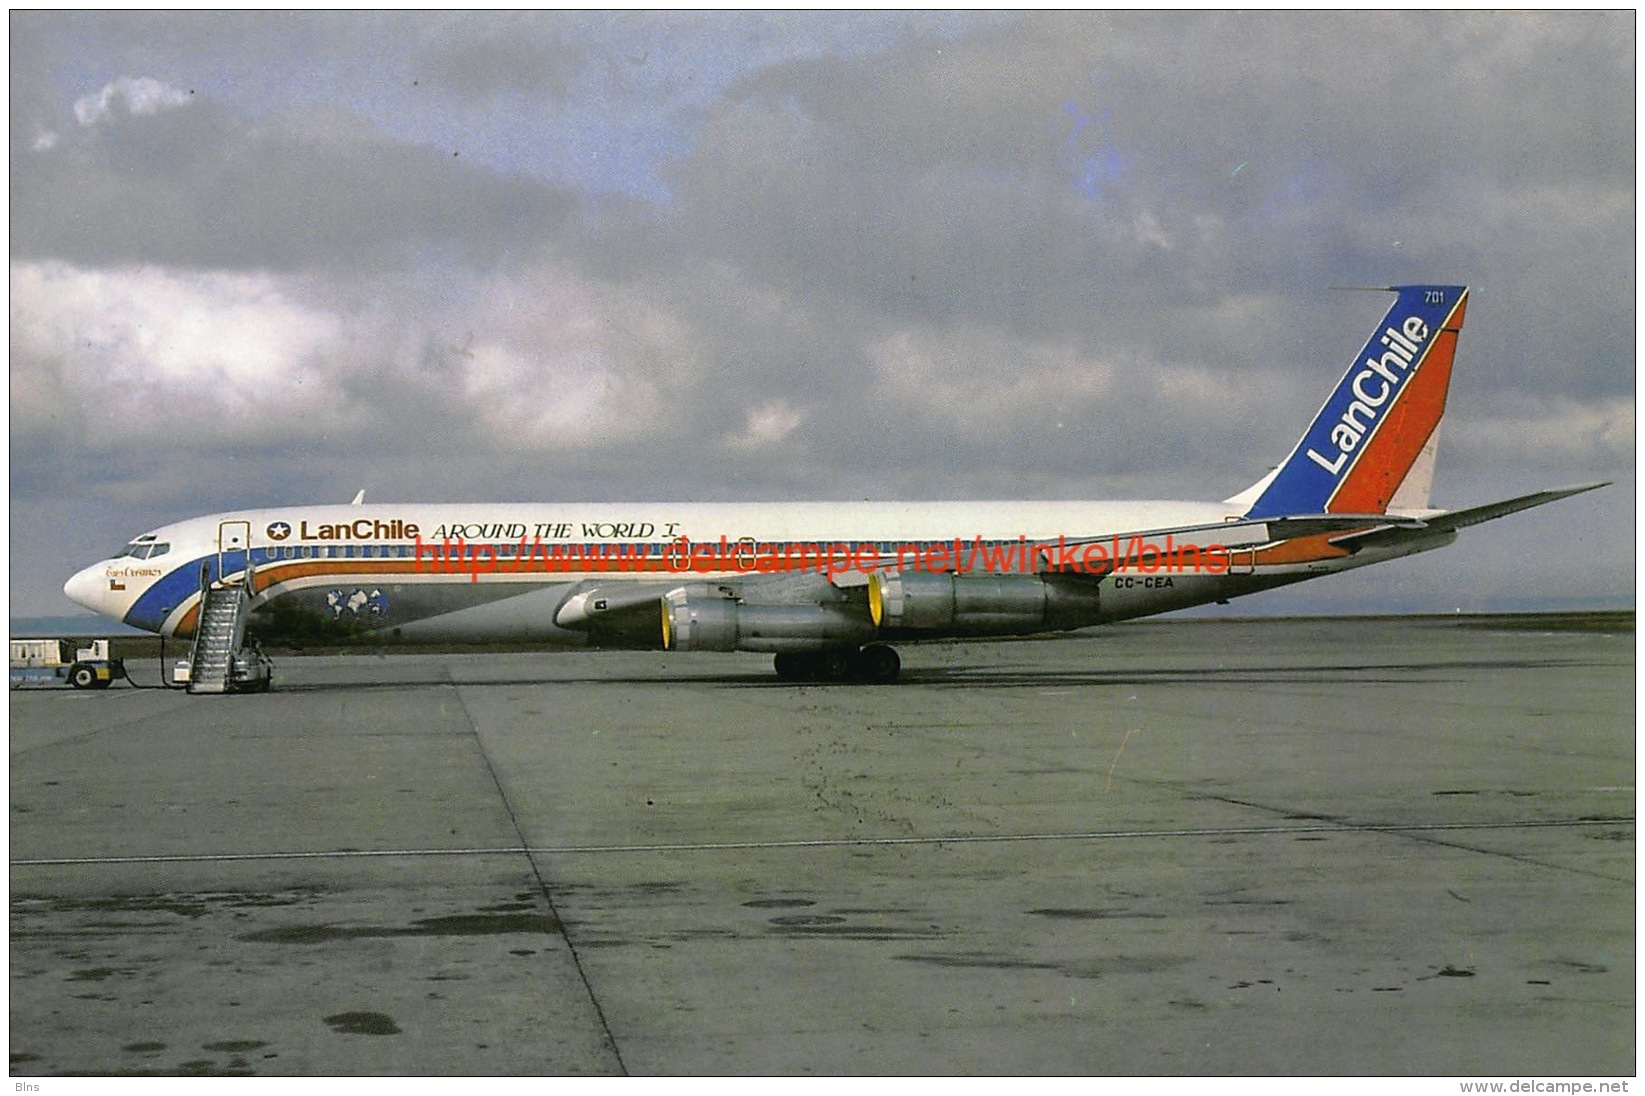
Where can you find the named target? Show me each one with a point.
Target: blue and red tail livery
(1364, 441)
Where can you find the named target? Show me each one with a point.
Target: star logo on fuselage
(278, 530)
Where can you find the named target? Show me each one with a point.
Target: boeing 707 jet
(828, 588)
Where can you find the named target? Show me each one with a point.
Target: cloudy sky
(263, 259)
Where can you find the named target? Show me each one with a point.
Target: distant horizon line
(91, 625)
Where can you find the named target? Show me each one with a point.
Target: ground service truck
(55, 661)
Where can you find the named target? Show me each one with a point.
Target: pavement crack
(542, 883)
(1423, 833)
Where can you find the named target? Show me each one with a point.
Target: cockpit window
(142, 549)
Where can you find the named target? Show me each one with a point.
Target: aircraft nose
(87, 588)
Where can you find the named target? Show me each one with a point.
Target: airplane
(828, 587)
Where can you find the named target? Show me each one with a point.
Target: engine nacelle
(979, 604)
(723, 624)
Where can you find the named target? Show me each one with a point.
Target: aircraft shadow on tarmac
(983, 676)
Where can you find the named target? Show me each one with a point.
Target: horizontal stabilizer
(1308, 525)
(1461, 519)
(1251, 531)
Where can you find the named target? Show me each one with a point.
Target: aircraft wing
(588, 604)
(634, 603)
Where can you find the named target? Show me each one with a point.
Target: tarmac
(1300, 847)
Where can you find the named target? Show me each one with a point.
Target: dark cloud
(505, 56)
(189, 185)
(1076, 165)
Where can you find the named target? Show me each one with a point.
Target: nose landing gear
(875, 664)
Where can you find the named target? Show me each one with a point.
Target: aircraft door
(233, 543)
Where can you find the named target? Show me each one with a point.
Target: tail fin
(1378, 428)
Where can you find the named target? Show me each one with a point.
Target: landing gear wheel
(875, 663)
(878, 664)
(836, 665)
(793, 666)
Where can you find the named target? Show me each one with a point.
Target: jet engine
(696, 623)
(979, 604)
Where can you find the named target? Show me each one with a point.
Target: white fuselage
(507, 571)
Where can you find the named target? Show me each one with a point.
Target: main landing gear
(876, 664)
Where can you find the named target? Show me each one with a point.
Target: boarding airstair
(221, 661)
(219, 634)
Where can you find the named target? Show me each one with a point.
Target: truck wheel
(82, 676)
